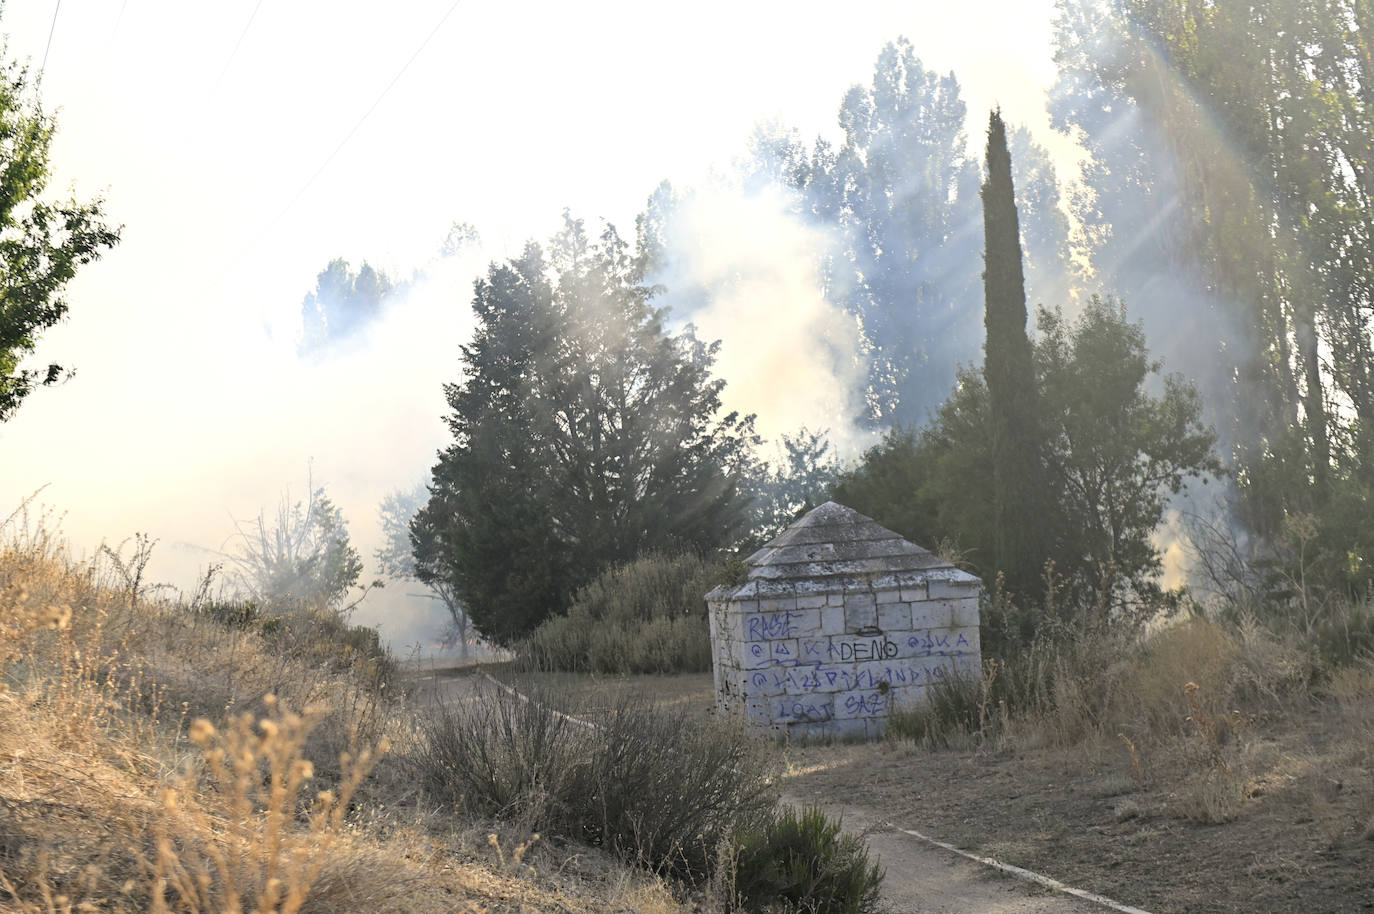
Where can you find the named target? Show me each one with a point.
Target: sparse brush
(953, 714)
(1214, 797)
(664, 789)
(659, 788)
(114, 797)
(1137, 771)
(499, 757)
(247, 832)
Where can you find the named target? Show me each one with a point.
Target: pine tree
(1008, 367)
(584, 436)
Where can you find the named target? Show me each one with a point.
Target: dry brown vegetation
(153, 759)
(1209, 766)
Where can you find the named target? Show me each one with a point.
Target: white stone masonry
(839, 621)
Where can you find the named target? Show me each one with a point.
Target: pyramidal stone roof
(834, 549)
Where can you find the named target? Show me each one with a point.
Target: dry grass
(150, 761)
(1175, 707)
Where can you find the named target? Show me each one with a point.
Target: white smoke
(788, 354)
(233, 421)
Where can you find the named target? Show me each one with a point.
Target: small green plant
(646, 616)
(958, 710)
(948, 717)
(804, 862)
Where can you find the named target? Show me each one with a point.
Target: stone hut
(839, 620)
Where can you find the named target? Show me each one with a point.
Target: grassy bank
(157, 757)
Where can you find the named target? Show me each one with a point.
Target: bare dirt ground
(1298, 840)
(922, 879)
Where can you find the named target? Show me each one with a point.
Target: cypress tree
(1019, 491)
(584, 435)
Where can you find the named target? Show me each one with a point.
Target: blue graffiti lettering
(870, 703)
(772, 625)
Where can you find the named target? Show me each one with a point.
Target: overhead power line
(366, 114)
(272, 224)
(238, 44)
(52, 29)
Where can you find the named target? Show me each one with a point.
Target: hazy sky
(214, 131)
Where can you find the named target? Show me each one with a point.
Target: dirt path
(922, 879)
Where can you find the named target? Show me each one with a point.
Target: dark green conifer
(1008, 367)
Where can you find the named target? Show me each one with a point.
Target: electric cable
(238, 44)
(48, 48)
(366, 114)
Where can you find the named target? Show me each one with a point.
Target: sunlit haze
(242, 145)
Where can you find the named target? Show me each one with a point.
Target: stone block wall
(832, 664)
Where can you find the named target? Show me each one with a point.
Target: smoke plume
(745, 270)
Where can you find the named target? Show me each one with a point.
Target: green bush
(1345, 633)
(646, 616)
(948, 717)
(661, 789)
(805, 863)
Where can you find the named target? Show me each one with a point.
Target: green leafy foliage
(898, 193)
(584, 435)
(889, 484)
(42, 243)
(1227, 189)
(805, 470)
(804, 862)
(645, 616)
(1115, 451)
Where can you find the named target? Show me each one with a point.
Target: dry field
(155, 759)
(143, 767)
(1265, 806)
(1296, 839)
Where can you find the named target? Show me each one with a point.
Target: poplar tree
(43, 242)
(1018, 477)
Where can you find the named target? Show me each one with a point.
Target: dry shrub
(247, 832)
(71, 811)
(1170, 702)
(1351, 691)
(87, 736)
(1214, 796)
(1075, 688)
(100, 686)
(1152, 691)
(958, 712)
(659, 788)
(1112, 686)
